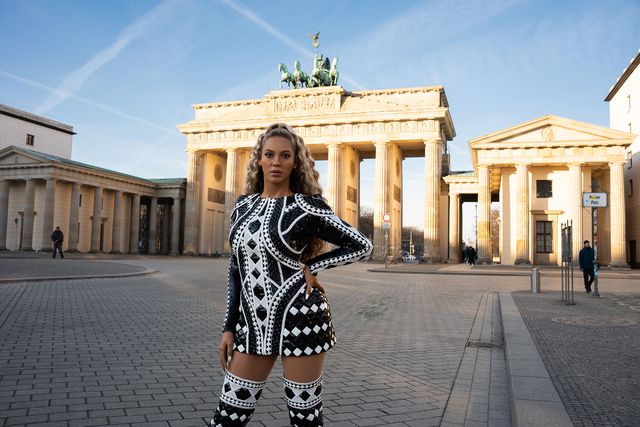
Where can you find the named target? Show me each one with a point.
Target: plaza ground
(413, 349)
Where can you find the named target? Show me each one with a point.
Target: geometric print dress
(267, 308)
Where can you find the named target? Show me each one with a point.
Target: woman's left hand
(312, 282)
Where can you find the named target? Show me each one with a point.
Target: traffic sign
(386, 217)
(594, 200)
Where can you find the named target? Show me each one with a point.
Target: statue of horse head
(296, 65)
(282, 68)
(333, 74)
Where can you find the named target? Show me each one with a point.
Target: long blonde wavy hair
(304, 176)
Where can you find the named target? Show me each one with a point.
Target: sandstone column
(153, 225)
(134, 230)
(575, 177)
(334, 178)
(192, 207)
(617, 218)
(47, 219)
(433, 162)
(27, 219)
(484, 215)
(522, 214)
(175, 231)
(381, 198)
(166, 228)
(116, 234)
(454, 227)
(4, 215)
(231, 190)
(72, 232)
(96, 221)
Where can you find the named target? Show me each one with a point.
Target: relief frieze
(426, 128)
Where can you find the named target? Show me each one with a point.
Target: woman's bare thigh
(303, 369)
(251, 367)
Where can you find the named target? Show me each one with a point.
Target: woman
(275, 305)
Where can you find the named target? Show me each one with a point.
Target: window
(80, 204)
(30, 139)
(543, 189)
(544, 237)
(630, 131)
(629, 159)
(630, 187)
(628, 102)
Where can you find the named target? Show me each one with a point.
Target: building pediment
(552, 131)
(17, 156)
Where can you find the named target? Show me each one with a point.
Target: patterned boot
(238, 400)
(304, 401)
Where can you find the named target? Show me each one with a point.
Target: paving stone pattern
(143, 350)
(591, 352)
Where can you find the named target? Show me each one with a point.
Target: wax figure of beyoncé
(275, 304)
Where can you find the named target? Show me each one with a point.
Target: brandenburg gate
(339, 126)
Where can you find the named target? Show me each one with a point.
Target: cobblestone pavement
(139, 350)
(591, 352)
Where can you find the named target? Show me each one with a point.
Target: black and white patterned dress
(266, 305)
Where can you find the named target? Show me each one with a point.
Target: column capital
(574, 164)
(617, 163)
(232, 150)
(432, 141)
(381, 142)
(522, 165)
(337, 144)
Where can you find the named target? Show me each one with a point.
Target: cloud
(253, 17)
(139, 29)
(61, 93)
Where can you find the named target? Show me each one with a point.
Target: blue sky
(125, 73)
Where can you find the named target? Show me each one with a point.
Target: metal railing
(567, 263)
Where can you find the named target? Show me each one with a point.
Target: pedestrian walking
(275, 304)
(585, 260)
(471, 255)
(57, 237)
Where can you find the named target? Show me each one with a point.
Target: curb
(533, 398)
(452, 273)
(88, 276)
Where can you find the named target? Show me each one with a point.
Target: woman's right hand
(226, 349)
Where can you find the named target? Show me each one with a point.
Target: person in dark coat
(57, 237)
(471, 255)
(585, 260)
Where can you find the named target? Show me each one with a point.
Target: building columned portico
(537, 171)
(339, 126)
(97, 209)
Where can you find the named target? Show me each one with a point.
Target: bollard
(535, 280)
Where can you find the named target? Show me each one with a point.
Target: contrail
(72, 83)
(251, 16)
(60, 93)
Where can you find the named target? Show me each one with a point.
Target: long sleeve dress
(266, 305)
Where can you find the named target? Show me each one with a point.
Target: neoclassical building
(538, 172)
(339, 126)
(624, 115)
(99, 210)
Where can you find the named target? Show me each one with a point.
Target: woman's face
(277, 160)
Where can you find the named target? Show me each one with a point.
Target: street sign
(386, 217)
(386, 225)
(594, 200)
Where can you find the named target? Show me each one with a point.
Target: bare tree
(365, 221)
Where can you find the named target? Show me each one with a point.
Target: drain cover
(483, 344)
(593, 321)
